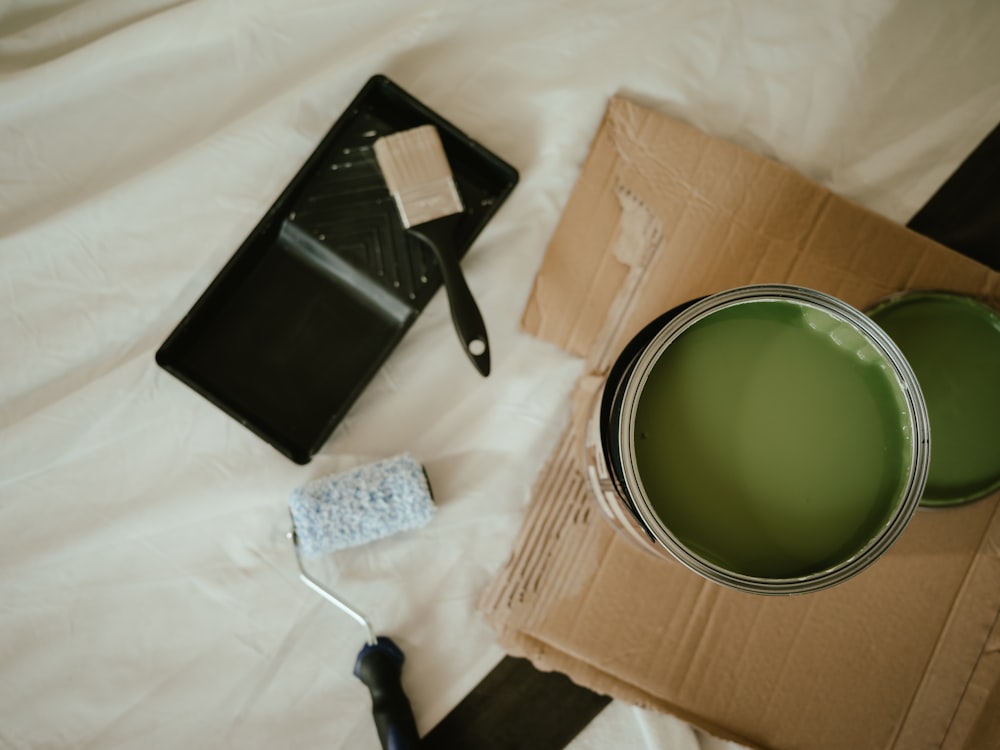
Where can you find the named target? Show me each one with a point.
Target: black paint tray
(312, 303)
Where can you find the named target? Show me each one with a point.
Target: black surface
(312, 303)
(517, 706)
(964, 213)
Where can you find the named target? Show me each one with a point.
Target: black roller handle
(379, 667)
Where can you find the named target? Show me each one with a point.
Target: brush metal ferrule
(419, 204)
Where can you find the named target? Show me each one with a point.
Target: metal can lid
(952, 343)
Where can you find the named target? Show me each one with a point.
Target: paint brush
(417, 173)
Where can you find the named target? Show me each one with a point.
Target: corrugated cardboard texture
(905, 655)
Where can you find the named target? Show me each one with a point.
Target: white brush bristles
(418, 175)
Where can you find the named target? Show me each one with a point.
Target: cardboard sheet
(904, 655)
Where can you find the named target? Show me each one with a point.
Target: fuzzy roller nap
(361, 505)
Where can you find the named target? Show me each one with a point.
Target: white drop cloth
(148, 595)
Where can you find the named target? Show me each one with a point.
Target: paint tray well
(289, 333)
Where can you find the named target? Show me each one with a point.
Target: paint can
(771, 438)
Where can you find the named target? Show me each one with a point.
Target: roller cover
(354, 507)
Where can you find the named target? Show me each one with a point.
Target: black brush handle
(469, 325)
(379, 666)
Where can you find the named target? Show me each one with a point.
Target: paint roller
(349, 509)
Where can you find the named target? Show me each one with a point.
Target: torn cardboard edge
(540, 656)
(515, 635)
(616, 201)
(661, 214)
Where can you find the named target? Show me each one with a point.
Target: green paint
(772, 439)
(953, 345)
